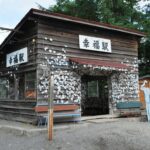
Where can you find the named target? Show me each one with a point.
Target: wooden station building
(94, 68)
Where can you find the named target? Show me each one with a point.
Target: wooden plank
(90, 55)
(75, 40)
(18, 117)
(67, 115)
(65, 107)
(118, 59)
(18, 113)
(18, 103)
(129, 112)
(56, 108)
(67, 29)
(116, 49)
(122, 46)
(15, 107)
(128, 105)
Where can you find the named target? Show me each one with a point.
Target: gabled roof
(86, 22)
(62, 17)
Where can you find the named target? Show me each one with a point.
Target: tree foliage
(86, 9)
(144, 49)
(125, 13)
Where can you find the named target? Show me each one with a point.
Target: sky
(12, 11)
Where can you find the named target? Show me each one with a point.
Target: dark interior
(95, 95)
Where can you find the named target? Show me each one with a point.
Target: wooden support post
(50, 110)
(50, 124)
(16, 87)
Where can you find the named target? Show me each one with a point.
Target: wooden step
(18, 103)
(16, 109)
(23, 117)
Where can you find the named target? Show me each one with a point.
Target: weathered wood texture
(20, 41)
(63, 35)
(58, 36)
(133, 112)
(66, 36)
(18, 110)
(21, 110)
(57, 108)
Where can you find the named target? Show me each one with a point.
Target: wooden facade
(51, 41)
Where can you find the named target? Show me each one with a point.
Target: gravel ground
(117, 135)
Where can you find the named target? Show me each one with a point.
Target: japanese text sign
(17, 57)
(94, 43)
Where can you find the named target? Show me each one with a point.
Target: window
(12, 90)
(30, 85)
(4, 85)
(21, 86)
(7, 87)
(93, 89)
(18, 86)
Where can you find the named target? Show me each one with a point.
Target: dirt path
(118, 135)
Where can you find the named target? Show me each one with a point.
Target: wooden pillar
(16, 87)
(50, 110)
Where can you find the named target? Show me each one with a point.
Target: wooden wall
(63, 35)
(66, 35)
(57, 36)
(19, 110)
(22, 39)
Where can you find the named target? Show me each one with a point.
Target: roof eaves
(69, 19)
(15, 29)
(86, 22)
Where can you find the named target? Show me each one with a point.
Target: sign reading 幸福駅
(17, 57)
(94, 43)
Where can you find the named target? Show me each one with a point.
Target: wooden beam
(57, 108)
(50, 110)
(8, 29)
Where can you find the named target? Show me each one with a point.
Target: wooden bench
(131, 108)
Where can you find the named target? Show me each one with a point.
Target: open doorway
(94, 95)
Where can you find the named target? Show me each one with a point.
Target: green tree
(144, 49)
(79, 8)
(119, 12)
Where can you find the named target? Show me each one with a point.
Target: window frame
(7, 96)
(34, 89)
(89, 95)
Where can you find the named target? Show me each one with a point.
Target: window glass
(93, 88)
(21, 86)
(3, 88)
(30, 88)
(11, 93)
(30, 76)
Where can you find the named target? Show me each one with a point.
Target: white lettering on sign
(94, 43)
(17, 57)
